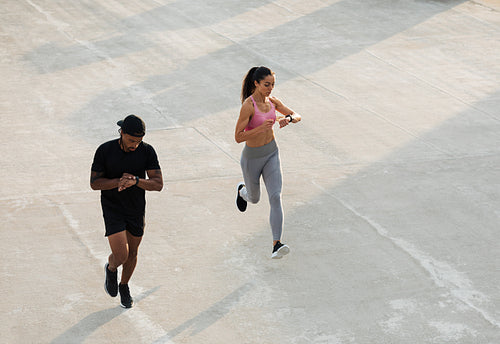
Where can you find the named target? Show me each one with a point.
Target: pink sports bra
(259, 117)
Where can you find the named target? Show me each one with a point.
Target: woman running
(260, 156)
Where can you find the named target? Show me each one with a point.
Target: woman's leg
(273, 181)
(251, 169)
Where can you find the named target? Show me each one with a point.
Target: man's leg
(128, 270)
(131, 262)
(119, 250)
(119, 253)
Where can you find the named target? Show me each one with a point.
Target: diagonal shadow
(187, 93)
(131, 34)
(209, 316)
(88, 325)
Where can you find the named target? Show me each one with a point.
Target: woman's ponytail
(248, 86)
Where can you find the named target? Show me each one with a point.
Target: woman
(260, 157)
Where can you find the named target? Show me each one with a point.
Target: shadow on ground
(79, 332)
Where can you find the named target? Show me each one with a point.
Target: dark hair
(254, 74)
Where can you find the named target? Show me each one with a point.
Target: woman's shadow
(209, 316)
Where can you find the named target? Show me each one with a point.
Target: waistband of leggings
(259, 152)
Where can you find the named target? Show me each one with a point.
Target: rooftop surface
(391, 181)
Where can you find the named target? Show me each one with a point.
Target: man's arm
(154, 182)
(97, 182)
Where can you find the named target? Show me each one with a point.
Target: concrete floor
(391, 181)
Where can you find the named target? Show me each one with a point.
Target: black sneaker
(280, 250)
(126, 299)
(111, 281)
(240, 202)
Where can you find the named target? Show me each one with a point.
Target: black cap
(133, 126)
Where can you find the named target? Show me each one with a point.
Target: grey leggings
(265, 161)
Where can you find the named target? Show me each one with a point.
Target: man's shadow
(85, 327)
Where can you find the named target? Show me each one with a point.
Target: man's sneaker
(111, 281)
(240, 202)
(280, 250)
(126, 299)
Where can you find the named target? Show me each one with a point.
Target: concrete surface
(391, 182)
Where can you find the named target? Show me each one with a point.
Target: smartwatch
(136, 180)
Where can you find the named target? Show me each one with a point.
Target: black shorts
(116, 222)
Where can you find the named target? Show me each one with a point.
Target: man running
(119, 170)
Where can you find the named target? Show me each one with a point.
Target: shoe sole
(238, 197)
(282, 251)
(123, 306)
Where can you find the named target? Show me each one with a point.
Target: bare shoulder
(275, 101)
(247, 102)
(247, 107)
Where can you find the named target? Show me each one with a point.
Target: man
(119, 170)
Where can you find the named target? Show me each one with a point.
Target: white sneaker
(280, 250)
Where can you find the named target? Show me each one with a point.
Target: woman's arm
(286, 113)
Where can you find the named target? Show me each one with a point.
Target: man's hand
(126, 181)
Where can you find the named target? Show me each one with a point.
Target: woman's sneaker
(280, 250)
(111, 281)
(126, 299)
(240, 202)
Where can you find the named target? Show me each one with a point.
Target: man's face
(129, 142)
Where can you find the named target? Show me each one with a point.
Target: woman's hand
(267, 125)
(291, 118)
(283, 121)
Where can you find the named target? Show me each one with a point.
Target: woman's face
(265, 86)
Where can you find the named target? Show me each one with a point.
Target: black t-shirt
(113, 162)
